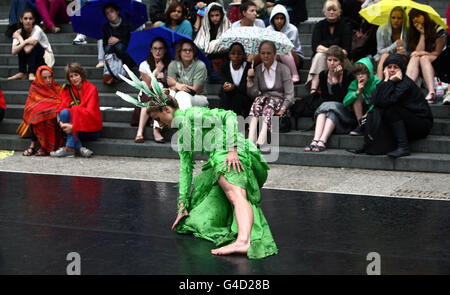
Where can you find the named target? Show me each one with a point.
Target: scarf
(43, 100)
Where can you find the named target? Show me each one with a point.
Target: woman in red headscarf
(40, 113)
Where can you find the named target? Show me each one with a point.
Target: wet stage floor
(123, 227)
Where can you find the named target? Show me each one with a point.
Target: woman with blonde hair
(327, 32)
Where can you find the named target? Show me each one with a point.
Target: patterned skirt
(266, 107)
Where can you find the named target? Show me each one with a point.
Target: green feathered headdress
(156, 94)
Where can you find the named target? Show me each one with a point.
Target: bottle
(440, 91)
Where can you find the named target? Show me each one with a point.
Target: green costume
(371, 84)
(211, 215)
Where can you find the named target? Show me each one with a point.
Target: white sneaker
(100, 64)
(80, 39)
(431, 98)
(446, 98)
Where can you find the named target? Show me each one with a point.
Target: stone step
(59, 38)
(419, 162)
(116, 130)
(92, 72)
(60, 48)
(21, 85)
(60, 60)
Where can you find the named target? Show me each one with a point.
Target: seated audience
(327, 32)
(233, 94)
(79, 113)
(176, 19)
(271, 85)
(157, 63)
(359, 95)
(30, 44)
(53, 12)
(279, 21)
(391, 38)
(116, 34)
(2, 106)
(211, 29)
(425, 42)
(404, 106)
(249, 14)
(296, 9)
(40, 114)
(187, 76)
(331, 116)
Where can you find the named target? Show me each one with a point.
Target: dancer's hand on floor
(181, 214)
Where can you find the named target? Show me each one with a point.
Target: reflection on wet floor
(123, 227)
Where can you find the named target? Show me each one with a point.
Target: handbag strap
(75, 100)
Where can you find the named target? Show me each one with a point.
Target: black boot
(402, 140)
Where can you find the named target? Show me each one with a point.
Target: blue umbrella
(90, 19)
(139, 45)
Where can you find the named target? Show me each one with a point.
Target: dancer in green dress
(224, 205)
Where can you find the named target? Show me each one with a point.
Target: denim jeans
(75, 141)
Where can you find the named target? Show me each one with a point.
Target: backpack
(113, 67)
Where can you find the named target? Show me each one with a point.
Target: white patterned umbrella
(251, 37)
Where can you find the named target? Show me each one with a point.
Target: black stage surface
(123, 227)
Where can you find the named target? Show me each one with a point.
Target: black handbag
(285, 124)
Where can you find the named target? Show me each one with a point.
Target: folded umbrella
(139, 45)
(90, 19)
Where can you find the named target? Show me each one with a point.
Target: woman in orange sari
(40, 113)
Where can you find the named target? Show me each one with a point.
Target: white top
(144, 67)
(270, 75)
(237, 74)
(258, 23)
(37, 34)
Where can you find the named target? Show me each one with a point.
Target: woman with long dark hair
(176, 19)
(426, 40)
(29, 44)
(157, 63)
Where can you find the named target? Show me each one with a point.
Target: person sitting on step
(404, 106)
(79, 113)
(53, 12)
(359, 95)
(40, 114)
(271, 85)
(279, 21)
(158, 59)
(30, 44)
(331, 116)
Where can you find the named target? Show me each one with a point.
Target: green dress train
(211, 215)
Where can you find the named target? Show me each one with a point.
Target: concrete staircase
(431, 154)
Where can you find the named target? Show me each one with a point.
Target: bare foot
(18, 76)
(236, 247)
